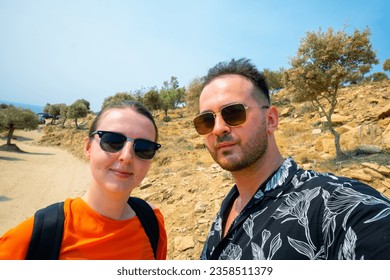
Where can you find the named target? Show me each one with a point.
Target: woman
(101, 224)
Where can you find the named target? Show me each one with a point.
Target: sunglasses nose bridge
(220, 125)
(127, 152)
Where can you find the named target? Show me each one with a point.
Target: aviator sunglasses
(233, 115)
(113, 142)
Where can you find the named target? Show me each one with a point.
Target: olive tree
(274, 79)
(77, 110)
(325, 62)
(54, 110)
(151, 99)
(386, 65)
(171, 95)
(193, 92)
(12, 118)
(117, 98)
(63, 113)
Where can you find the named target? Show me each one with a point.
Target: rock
(386, 136)
(384, 170)
(369, 149)
(182, 243)
(382, 189)
(328, 145)
(203, 221)
(386, 183)
(361, 176)
(316, 131)
(373, 173)
(286, 112)
(373, 166)
(145, 186)
(202, 239)
(200, 207)
(346, 128)
(336, 119)
(384, 112)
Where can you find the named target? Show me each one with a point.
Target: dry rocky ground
(189, 187)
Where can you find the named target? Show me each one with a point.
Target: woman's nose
(126, 155)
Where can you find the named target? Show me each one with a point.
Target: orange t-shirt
(89, 235)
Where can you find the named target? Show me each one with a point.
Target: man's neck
(249, 179)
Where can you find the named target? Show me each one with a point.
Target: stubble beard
(249, 155)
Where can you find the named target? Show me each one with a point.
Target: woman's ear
(272, 119)
(87, 147)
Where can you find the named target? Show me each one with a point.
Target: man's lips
(224, 145)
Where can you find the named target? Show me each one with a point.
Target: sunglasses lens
(204, 123)
(112, 142)
(145, 149)
(234, 114)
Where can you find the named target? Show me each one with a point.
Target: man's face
(234, 148)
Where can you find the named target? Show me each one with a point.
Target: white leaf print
(380, 215)
(279, 178)
(249, 223)
(257, 252)
(347, 250)
(347, 199)
(276, 243)
(295, 207)
(248, 227)
(218, 224)
(302, 247)
(232, 252)
(259, 195)
(265, 235)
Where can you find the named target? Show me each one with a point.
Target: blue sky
(64, 50)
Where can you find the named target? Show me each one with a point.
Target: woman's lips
(121, 173)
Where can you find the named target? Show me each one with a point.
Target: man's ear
(87, 147)
(272, 119)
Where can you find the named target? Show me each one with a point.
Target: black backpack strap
(148, 220)
(47, 233)
(48, 229)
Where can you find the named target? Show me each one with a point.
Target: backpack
(48, 229)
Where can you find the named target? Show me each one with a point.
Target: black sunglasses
(233, 115)
(113, 142)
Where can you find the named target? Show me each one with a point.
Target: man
(276, 210)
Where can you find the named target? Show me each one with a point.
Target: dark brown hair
(242, 67)
(137, 106)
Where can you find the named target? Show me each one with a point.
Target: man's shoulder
(327, 181)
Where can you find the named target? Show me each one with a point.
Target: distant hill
(34, 108)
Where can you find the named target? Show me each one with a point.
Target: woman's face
(120, 172)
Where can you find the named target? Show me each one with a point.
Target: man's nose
(220, 126)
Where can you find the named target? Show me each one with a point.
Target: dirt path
(37, 178)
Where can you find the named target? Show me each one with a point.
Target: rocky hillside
(188, 186)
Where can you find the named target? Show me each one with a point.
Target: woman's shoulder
(14, 243)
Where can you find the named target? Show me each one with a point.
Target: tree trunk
(63, 123)
(11, 130)
(339, 154)
(75, 121)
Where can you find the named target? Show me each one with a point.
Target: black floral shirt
(303, 214)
